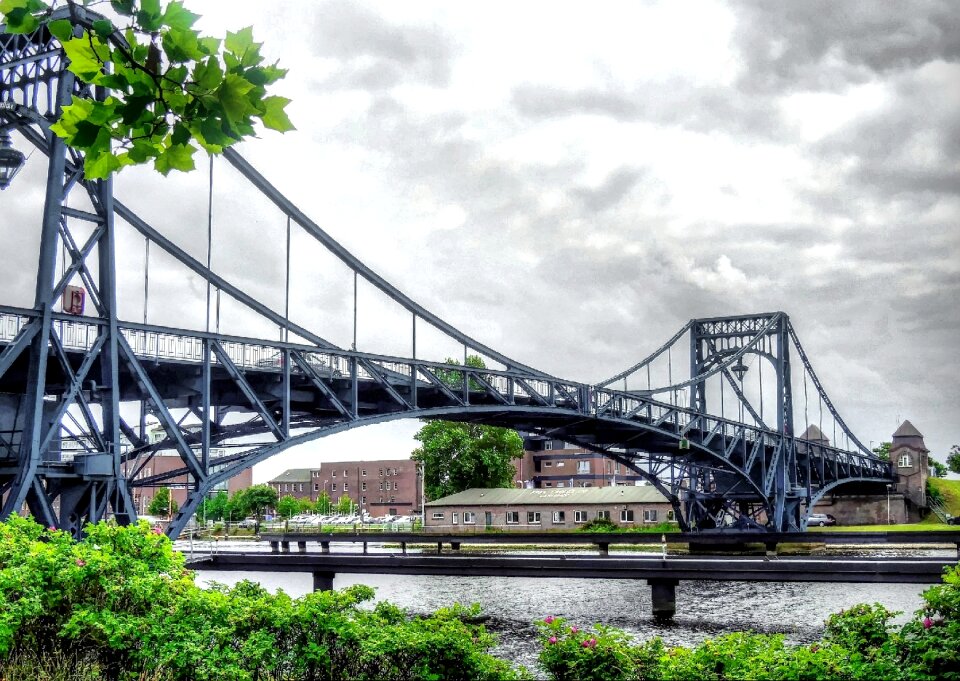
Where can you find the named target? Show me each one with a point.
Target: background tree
(454, 378)
(213, 508)
(939, 470)
(287, 506)
(163, 504)
(344, 505)
(458, 456)
(169, 87)
(304, 505)
(953, 459)
(883, 450)
(323, 504)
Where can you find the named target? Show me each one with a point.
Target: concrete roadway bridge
(661, 571)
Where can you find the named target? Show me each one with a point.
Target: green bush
(121, 605)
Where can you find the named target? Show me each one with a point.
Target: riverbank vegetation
(120, 605)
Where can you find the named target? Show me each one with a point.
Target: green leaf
(232, 94)
(150, 18)
(210, 45)
(84, 60)
(99, 166)
(274, 117)
(20, 20)
(135, 109)
(178, 17)
(103, 27)
(182, 45)
(207, 74)
(176, 157)
(181, 135)
(61, 29)
(124, 7)
(239, 42)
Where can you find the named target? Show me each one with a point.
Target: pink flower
(573, 630)
(553, 639)
(548, 619)
(927, 622)
(590, 643)
(52, 528)
(81, 562)
(157, 530)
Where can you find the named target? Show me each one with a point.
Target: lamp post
(888, 503)
(11, 160)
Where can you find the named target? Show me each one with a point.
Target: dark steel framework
(79, 379)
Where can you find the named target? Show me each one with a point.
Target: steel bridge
(719, 441)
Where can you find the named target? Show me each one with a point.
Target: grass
(950, 489)
(907, 527)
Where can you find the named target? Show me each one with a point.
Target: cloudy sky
(570, 183)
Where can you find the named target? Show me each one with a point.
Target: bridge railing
(682, 419)
(153, 344)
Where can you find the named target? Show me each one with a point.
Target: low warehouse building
(546, 509)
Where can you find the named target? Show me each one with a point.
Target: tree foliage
(953, 459)
(883, 450)
(939, 470)
(458, 456)
(163, 504)
(170, 89)
(288, 506)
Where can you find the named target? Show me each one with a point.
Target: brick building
(555, 464)
(381, 487)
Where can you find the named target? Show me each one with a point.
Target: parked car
(821, 519)
(247, 523)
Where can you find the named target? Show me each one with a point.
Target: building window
(363, 472)
(548, 444)
(559, 484)
(346, 488)
(284, 487)
(603, 515)
(301, 487)
(583, 466)
(437, 515)
(559, 517)
(363, 500)
(649, 515)
(671, 516)
(454, 518)
(548, 484)
(533, 517)
(469, 518)
(333, 474)
(363, 486)
(344, 472)
(513, 517)
(579, 516)
(316, 487)
(559, 464)
(904, 461)
(626, 516)
(333, 487)
(381, 472)
(392, 499)
(547, 464)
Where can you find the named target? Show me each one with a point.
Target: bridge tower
(35, 87)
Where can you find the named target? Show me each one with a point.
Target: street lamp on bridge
(11, 160)
(888, 502)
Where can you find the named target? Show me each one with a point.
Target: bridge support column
(323, 581)
(604, 548)
(664, 596)
(285, 547)
(324, 547)
(274, 547)
(302, 546)
(403, 547)
(455, 545)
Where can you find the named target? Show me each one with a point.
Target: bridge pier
(324, 547)
(604, 548)
(323, 581)
(302, 546)
(664, 596)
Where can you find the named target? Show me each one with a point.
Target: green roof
(552, 496)
(293, 475)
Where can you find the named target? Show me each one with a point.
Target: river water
(705, 609)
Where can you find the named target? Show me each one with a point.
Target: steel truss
(66, 377)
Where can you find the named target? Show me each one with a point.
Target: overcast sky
(570, 183)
